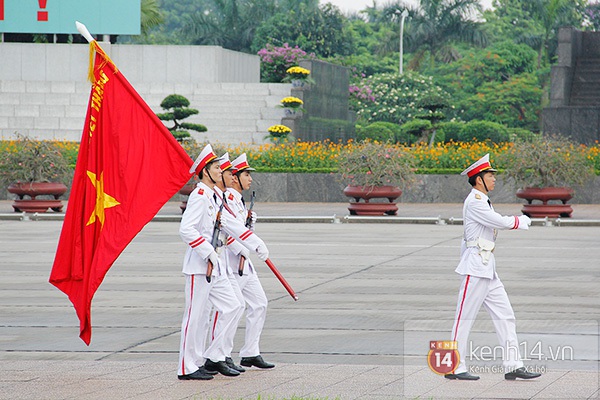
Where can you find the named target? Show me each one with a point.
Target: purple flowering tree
(276, 60)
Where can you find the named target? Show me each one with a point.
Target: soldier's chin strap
(483, 181)
(210, 176)
(239, 180)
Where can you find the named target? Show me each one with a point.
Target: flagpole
(84, 32)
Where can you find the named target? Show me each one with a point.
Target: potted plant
(375, 170)
(298, 76)
(32, 168)
(545, 168)
(291, 105)
(278, 133)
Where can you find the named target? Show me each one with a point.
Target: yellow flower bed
(323, 156)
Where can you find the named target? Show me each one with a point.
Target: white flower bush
(395, 97)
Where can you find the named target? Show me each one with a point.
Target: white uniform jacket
(480, 221)
(232, 251)
(197, 225)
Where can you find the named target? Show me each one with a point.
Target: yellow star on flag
(103, 200)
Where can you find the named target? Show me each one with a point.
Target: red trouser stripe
(461, 307)
(186, 327)
(214, 325)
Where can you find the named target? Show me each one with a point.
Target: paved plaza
(371, 297)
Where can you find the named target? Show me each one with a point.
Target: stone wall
(44, 89)
(326, 113)
(290, 187)
(577, 51)
(327, 188)
(52, 62)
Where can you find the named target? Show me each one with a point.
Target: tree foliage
(322, 30)
(177, 109)
(435, 25)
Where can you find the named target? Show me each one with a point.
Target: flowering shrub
(359, 94)
(546, 160)
(396, 97)
(376, 164)
(27, 160)
(297, 156)
(275, 61)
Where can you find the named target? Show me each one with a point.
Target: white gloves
(214, 258)
(244, 252)
(252, 220)
(262, 252)
(223, 222)
(524, 222)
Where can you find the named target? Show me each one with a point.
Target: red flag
(129, 166)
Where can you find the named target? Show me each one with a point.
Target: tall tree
(323, 31)
(534, 22)
(151, 15)
(229, 23)
(434, 26)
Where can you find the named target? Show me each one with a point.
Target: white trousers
(256, 313)
(475, 292)
(200, 297)
(221, 327)
(250, 292)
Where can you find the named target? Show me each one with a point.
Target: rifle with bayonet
(215, 241)
(248, 223)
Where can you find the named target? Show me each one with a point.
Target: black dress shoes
(207, 372)
(256, 361)
(197, 375)
(521, 373)
(463, 376)
(231, 364)
(220, 366)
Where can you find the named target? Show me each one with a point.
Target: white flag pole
(84, 31)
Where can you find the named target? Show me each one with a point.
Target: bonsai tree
(177, 109)
(545, 161)
(432, 103)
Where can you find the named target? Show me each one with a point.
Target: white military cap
(241, 163)
(206, 155)
(481, 165)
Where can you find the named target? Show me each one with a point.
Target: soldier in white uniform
(218, 324)
(480, 284)
(196, 230)
(253, 294)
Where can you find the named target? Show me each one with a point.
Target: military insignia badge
(230, 196)
(200, 191)
(478, 196)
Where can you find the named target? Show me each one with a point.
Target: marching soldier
(480, 284)
(205, 288)
(253, 294)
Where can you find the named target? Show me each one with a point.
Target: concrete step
(588, 61)
(586, 76)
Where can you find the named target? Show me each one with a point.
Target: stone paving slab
(354, 333)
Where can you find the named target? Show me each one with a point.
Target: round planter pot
(366, 193)
(34, 189)
(186, 190)
(544, 195)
